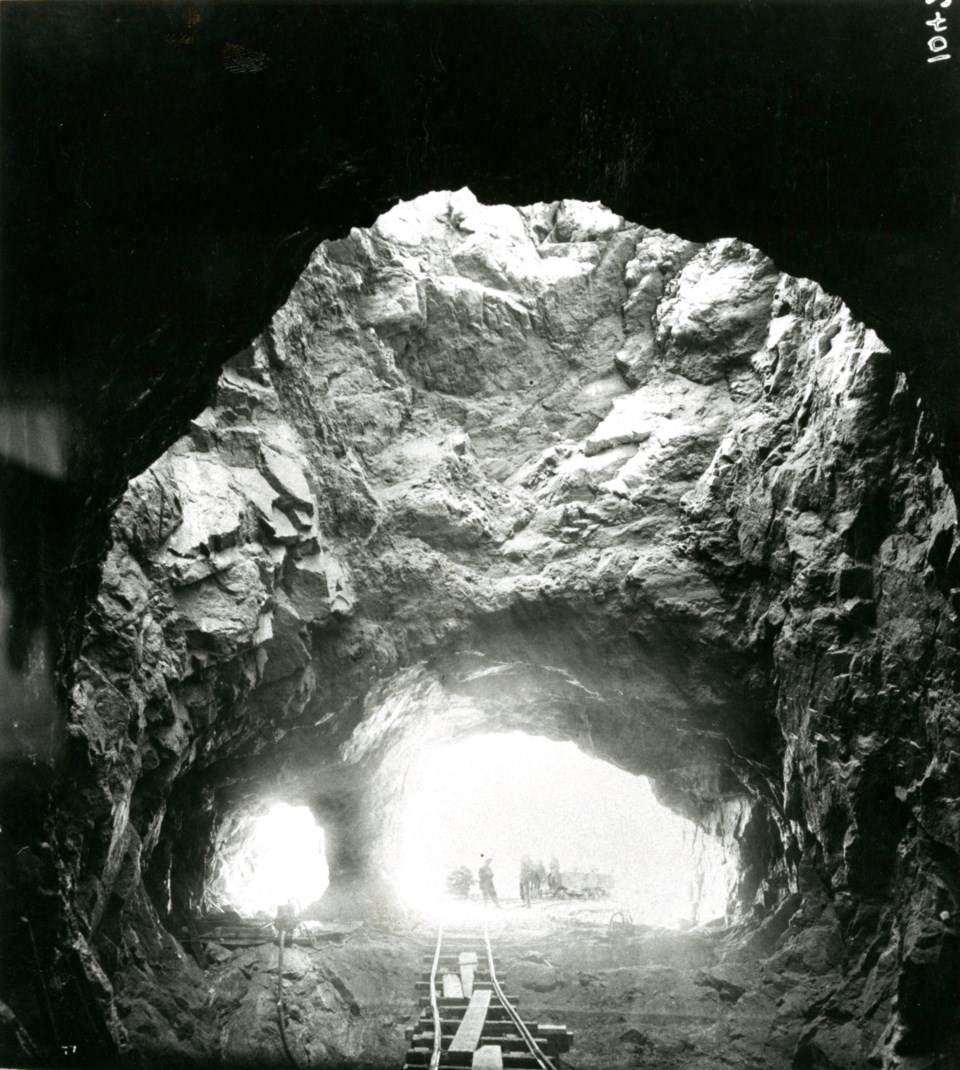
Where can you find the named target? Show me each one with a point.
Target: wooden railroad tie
(475, 1028)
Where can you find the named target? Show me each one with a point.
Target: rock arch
(521, 466)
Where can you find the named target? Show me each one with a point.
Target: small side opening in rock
(267, 858)
(595, 836)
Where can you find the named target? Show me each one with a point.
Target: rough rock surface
(655, 998)
(345, 1005)
(539, 467)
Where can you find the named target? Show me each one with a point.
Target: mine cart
(591, 885)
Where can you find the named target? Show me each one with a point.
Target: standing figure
(526, 880)
(486, 883)
(553, 877)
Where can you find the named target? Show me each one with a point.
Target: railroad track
(466, 1019)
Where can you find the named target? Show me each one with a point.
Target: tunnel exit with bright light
(506, 796)
(271, 858)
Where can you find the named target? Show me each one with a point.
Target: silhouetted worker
(526, 880)
(553, 877)
(486, 883)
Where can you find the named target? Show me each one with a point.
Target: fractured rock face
(542, 469)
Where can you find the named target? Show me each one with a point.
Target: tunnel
(388, 406)
(671, 556)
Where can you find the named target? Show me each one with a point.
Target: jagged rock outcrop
(542, 468)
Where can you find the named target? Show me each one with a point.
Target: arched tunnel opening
(505, 478)
(569, 826)
(265, 859)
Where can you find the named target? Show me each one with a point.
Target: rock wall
(543, 469)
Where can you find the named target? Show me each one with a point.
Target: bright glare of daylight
(511, 794)
(282, 859)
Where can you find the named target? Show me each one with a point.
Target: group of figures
(533, 876)
(535, 880)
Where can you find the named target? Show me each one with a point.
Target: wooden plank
(489, 1057)
(468, 1035)
(452, 989)
(468, 965)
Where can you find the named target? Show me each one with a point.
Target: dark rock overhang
(192, 157)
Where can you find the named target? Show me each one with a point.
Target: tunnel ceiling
(367, 536)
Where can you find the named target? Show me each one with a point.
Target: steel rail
(437, 1035)
(545, 1061)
